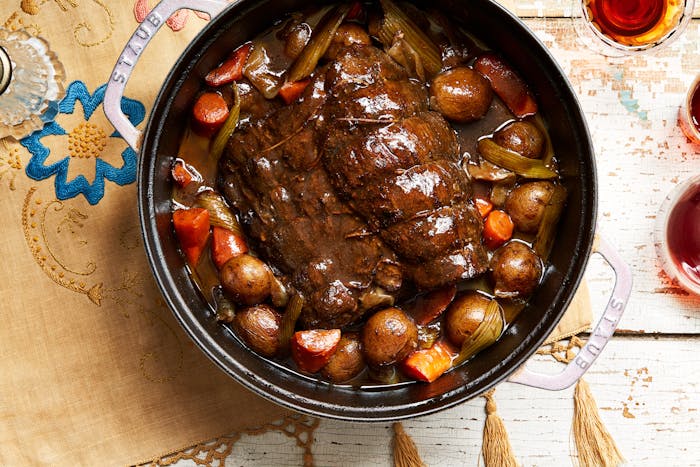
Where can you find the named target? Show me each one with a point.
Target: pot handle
(132, 52)
(599, 337)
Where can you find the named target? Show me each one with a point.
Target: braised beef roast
(355, 191)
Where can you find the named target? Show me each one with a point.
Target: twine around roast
(595, 445)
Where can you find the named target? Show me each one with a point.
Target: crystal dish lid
(33, 80)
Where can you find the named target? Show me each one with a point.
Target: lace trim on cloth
(214, 452)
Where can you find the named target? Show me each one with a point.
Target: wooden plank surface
(631, 107)
(650, 402)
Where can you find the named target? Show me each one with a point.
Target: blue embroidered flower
(84, 141)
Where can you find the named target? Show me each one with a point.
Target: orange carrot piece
(192, 229)
(429, 364)
(483, 205)
(289, 92)
(312, 349)
(180, 174)
(498, 229)
(428, 307)
(507, 84)
(232, 68)
(210, 113)
(225, 244)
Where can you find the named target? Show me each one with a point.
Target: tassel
(405, 450)
(594, 444)
(496, 448)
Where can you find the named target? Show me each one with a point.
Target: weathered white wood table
(647, 382)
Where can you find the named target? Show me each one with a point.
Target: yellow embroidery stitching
(87, 140)
(10, 164)
(14, 23)
(34, 212)
(155, 357)
(130, 238)
(126, 294)
(34, 229)
(72, 218)
(31, 7)
(84, 26)
(84, 29)
(130, 283)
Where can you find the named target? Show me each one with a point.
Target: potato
(464, 315)
(259, 327)
(388, 336)
(516, 270)
(347, 361)
(522, 137)
(460, 94)
(246, 279)
(526, 204)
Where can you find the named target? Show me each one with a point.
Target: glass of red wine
(678, 234)
(689, 113)
(618, 28)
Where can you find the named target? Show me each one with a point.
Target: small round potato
(388, 336)
(347, 361)
(246, 279)
(461, 94)
(522, 137)
(259, 327)
(464, 315)
(526, 204)
(516, 270)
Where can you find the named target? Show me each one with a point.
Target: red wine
(695, 107)
(632, 22)
(683, 233)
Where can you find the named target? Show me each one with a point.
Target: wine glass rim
(661, 233)
(669, 37)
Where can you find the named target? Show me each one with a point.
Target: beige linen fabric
(94, 370)
(578, 316)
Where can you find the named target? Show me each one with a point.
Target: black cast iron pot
(236, 22)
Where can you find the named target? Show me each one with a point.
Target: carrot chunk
(192, 229)
(483, 205)
(225, 244)
(429, 364)
(181, 176)
(290, 92)
(232, 68)
(428, 307)
(507, 84)
(498, 229)
(210, 113)
(312, 349)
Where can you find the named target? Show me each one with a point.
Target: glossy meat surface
(356, 175)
